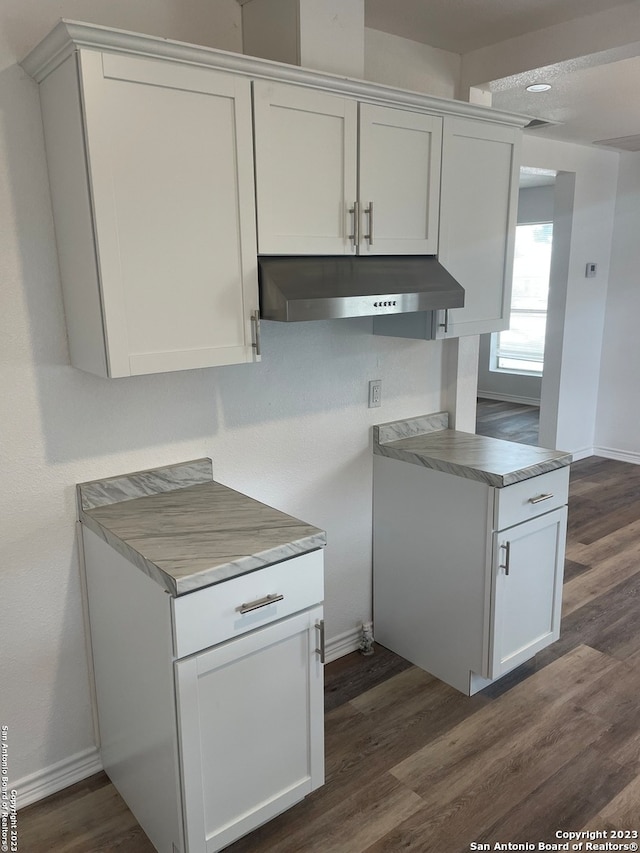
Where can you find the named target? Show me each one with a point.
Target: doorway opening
(519, 369)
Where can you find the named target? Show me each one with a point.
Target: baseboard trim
(620, 455)
(583, 453)
(52, 779)
(343, 644)
(509, 398)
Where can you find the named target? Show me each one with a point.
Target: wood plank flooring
(412, 765)
(509, 421)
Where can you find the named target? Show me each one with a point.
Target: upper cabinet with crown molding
(150, 148)
(151, 174)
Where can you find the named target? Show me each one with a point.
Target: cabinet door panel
(400, 174)
(526, 606)
(170, 161)
(251, 730)
(479, 195)
(305, 149)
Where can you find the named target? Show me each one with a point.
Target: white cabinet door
(478, 205)
(399, 181)
(305, 153)
(250, 729)
(170, 168)
(309, 162)
(528, 565)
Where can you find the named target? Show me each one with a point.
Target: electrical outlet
(375, 393)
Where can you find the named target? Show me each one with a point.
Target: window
(520, 349)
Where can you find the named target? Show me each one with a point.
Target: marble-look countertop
(427, 441)
(187, 531)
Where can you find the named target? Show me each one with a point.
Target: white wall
(619, 401)
(572, 379)
(293, 431)
(409, 64)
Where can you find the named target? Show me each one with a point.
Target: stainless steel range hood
(328, 287)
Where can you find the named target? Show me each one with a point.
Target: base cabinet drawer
(530, 498)
(231, 608)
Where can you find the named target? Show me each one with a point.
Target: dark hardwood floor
(412, 765)
(509, 421)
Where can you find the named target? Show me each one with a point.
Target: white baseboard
(52, 779)
(621, 455)
(343, 644)
(509, 398)
(582, 453)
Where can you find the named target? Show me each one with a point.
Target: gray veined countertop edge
(427, 441)
(187, 531)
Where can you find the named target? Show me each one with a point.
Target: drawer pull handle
(260, 602)
(505, 565)
(540, 498)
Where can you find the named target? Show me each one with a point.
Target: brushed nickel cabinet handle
(355, 211)
(255, 323)
(540, 498)
(369, 212)
(321, 650)
(505, 565)
(259, 602)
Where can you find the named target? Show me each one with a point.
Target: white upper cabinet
(151, 171)
(399, 181)
(318, 192)
(305, 149)
(478, 207)
(159, 214)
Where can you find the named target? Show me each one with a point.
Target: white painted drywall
(617, 431)
(293, 431)
(409, 64)
(572, 378)
(327, 35)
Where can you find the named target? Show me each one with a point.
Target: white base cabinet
(467, 576)
(207, 744)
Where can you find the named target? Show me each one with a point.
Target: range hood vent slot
(329, 287)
